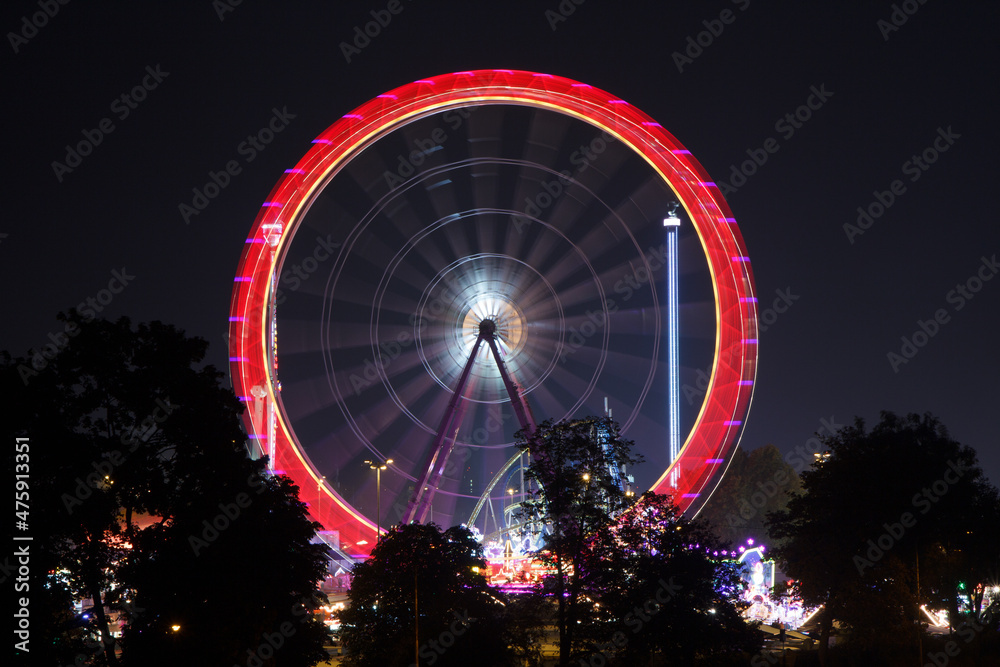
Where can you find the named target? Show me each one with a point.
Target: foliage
(462, 621)
(574, 470)
(884, 525)
(755, 484)
(633, 582)
(136, 453)
(675, 594)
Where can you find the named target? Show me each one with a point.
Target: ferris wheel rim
(731, 384)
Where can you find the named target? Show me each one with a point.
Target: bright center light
(509, 322)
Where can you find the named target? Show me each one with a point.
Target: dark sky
(890, 93)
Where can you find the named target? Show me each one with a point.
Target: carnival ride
(468, 250)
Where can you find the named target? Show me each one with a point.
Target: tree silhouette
(632, 581)
(894, 518)
(144, 500)
(422, 597)
(756, 483)
(575, 470)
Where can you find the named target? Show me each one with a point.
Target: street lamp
(378, 468)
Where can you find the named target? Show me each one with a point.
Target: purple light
(715, 461)
(750, 341)
(271, 204)
(354, 115)
(746, 382)
(255, 240)
(258, 437)
(748, 299)
(295, 171)
(617, 102)
(321, 141)
(237, 319)
(391, 97)
(237, 359)
(427, 81)
(242, 279)
(732, 423)
(707, 184)
(691, 495)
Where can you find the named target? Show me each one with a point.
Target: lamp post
(378, 468)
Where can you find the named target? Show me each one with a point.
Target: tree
(631, 581)
(677, 593)
(423, 592)
(138, 464)
(873, 515)
(575, 470)
(756, 483)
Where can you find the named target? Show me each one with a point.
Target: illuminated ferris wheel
(464, 253)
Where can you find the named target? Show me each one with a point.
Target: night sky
(902, 124)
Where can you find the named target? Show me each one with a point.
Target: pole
(416, 620)
(378, 504)
(920, 634)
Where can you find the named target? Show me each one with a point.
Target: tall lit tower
(673, 223)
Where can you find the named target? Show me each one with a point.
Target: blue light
(673, 356)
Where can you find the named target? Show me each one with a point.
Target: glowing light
(938, 619)
(673, 353)
(509, 320)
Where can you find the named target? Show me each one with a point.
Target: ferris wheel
(465, 253)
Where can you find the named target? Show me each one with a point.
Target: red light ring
(712, 440)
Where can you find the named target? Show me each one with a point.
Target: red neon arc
(709, 445)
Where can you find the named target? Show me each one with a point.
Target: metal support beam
(447, 433)
(444, 442)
